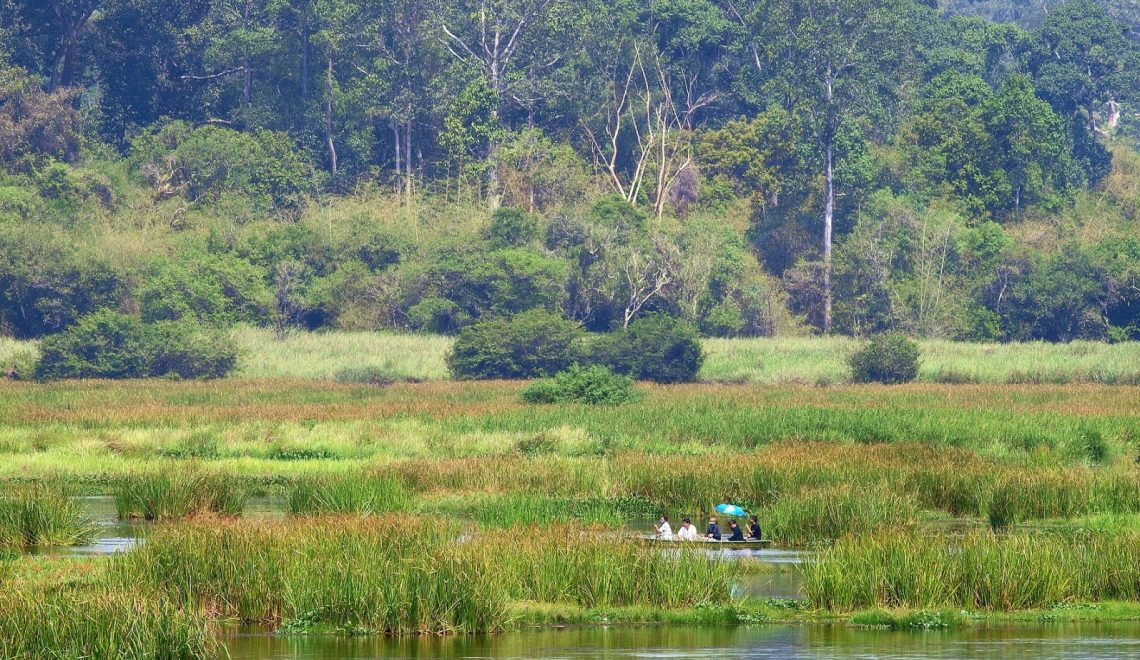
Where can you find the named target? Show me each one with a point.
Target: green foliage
(655, 347)
(213, 289)
(498, 283)
(531, 344)
(206, 162)
(889, 358)
(595, 385)
(108, 344)
(511, 227)
(46, 284)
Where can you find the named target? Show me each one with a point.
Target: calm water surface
(1047, 642)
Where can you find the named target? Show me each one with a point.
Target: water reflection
(1054, 642)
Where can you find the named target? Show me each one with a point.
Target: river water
(820, 642)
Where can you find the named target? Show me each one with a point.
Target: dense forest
(960, 169)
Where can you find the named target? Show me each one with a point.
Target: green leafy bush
(108, 344)
(210, 161)
(511, 227)
(888, 358)
(531, 344)
(596, 384)
(655, 347)
(187, 350)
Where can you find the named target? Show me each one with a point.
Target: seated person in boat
(737, 532)
(664, 531)
(713, 532)
(688, 531)
(754, 529)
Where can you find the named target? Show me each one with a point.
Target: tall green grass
(179, 492)
(818, 516)
(394, 576)
(350, 356)
(980, 570)
(39, 517)
(99, 623)
(347, 494)
(511, 509)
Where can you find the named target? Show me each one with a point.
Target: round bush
(532, 344)
(596, 384)
(108, 344)
(888, 358)
(188, 350)
(103, 344)
(655, 347)
(511, 227)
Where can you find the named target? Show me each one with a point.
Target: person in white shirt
(664, 531)
(688, 531)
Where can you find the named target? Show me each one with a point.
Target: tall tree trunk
(305, 57)
(399, 163)
(70, 61)
(828, 214)
(329, 117)
(408, 161)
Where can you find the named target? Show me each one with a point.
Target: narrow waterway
(819, 642)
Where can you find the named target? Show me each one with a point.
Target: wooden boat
(723, 544)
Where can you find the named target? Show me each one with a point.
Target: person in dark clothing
(737, 533)
(713, 530)
(754, 529)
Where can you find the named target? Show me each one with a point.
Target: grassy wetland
(450, 508)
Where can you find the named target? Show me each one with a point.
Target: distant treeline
(755, 167)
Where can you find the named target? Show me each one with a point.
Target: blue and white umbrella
(731, 510)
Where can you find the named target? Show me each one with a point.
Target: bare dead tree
(641, 104)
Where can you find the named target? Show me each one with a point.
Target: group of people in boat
(688, 531)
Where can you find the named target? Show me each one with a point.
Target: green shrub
(512, 227)
(594, 385)
(211, 161)
(187, 350)
(104, 344)
(888, 358)
(655, 347)
(109, 344)
(531, 344)
(438, 315)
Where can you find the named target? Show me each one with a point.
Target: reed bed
(177, 493)
(591, 568)
(819, 516)
(344, 494)
(511, 509)
(41, 517)
(99, 623)
(980, 570)
(546, 475)
(70, 428)
(391, 575)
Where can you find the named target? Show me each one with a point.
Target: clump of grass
(910, 619)
(41, 517)
(980, 570)
(585, 566)
(356, 494)
(819, 516)
(100, 623)
(177, 493)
